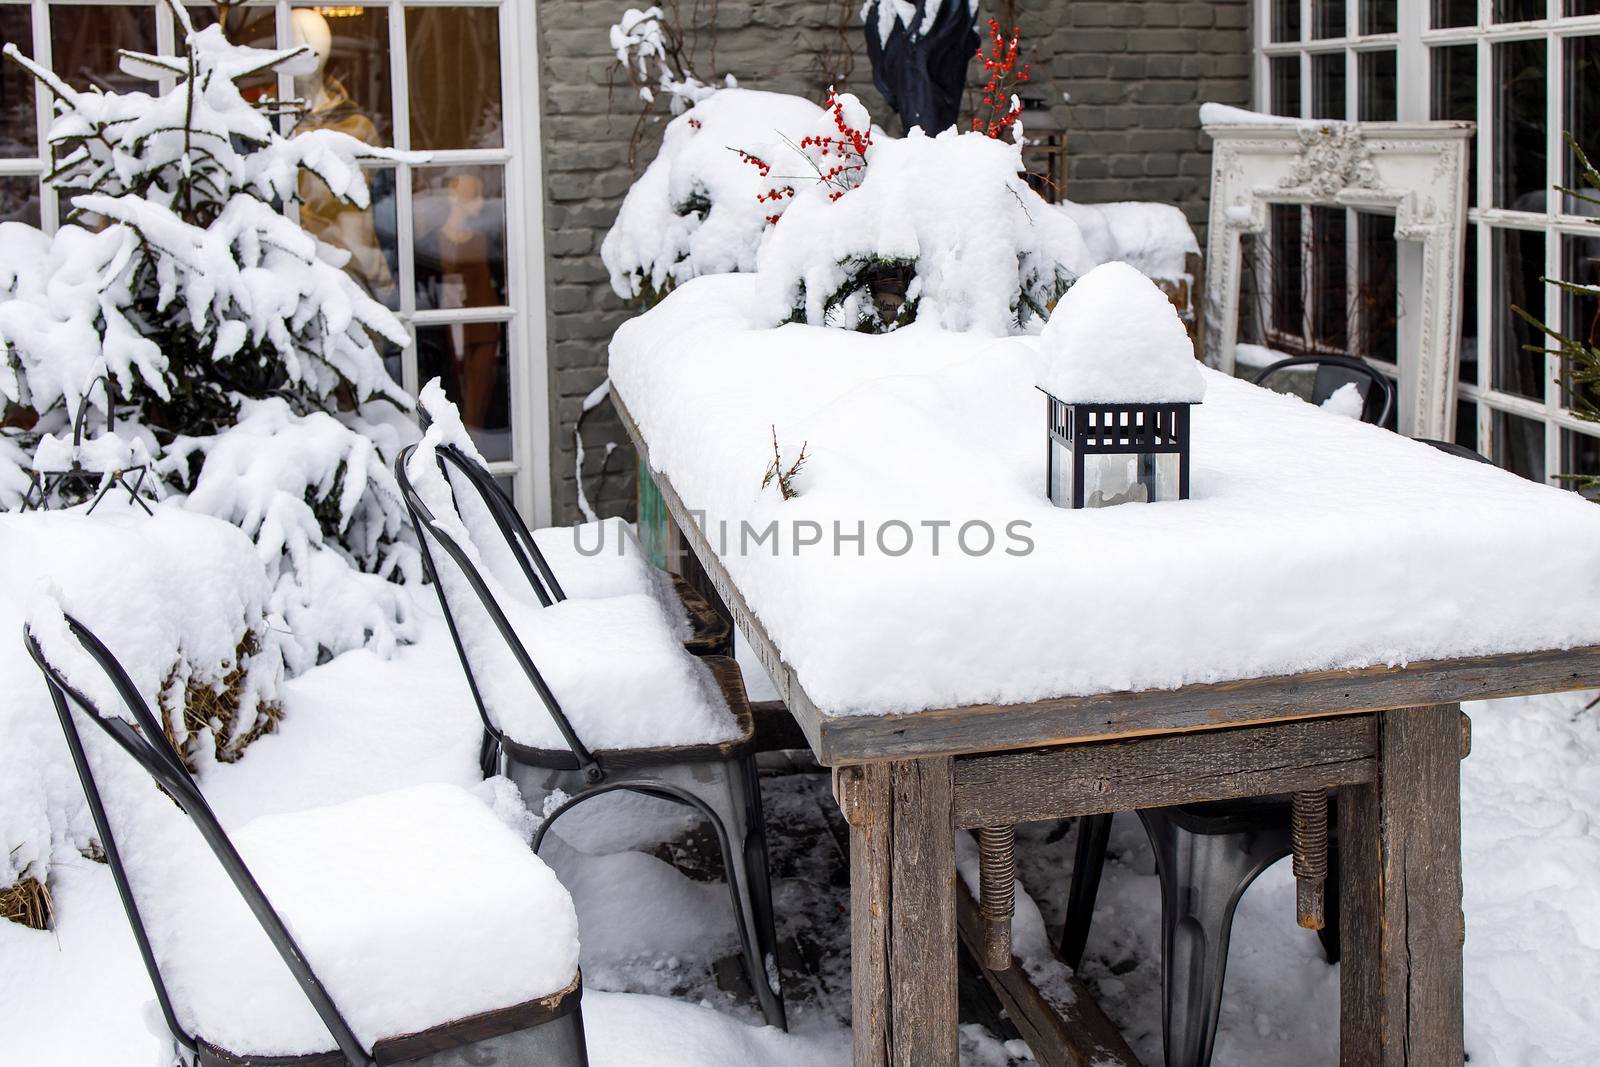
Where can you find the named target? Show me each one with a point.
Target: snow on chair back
(431, 529)
(144, 740)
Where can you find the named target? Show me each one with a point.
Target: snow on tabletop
(981, 239)
(415, 907)
(1155, 238)
(923, 426)
(1116, 338)
(1214, 114)
(616, 664)
(175, 592)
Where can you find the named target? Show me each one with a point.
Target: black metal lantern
(1101, 454)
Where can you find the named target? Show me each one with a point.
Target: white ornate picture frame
(1416, 169)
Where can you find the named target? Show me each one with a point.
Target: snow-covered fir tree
(228, 344)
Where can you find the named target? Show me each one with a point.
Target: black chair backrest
(1456, 450)
(145, 741)
(515, 533)
(1335, 372)
(429, 533)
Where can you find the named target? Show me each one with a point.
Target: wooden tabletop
(843, 739)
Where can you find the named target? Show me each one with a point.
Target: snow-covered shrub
(223, 333)
(695, 209)
(184, 602)
(940, 228)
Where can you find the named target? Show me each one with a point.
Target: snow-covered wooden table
(1311, 619)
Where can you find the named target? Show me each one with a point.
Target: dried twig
(784, 476)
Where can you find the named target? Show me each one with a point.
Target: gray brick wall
(1136, 71)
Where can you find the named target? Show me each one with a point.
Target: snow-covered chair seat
(584, 562)
(583, 696)
(407, 927)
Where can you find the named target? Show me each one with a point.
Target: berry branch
(1002, 101)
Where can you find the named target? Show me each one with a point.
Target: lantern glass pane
(1125, 478)
(1060, 473)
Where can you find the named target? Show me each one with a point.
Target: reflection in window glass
(1521, 177)
(19, 131)
(1519, 445)
(1580, 315)
(19, 199)
(460, 222)
(1286, 270)
(471, 358)
(1379, 16)
(84, 40)
(1285, 20)
(349, 89)
(1330, 307)
(1467, 424)
(453, 63)
(1286, 85)
(1580, 458)
(1582, 7)
(1327, 18)
(1327, 85)
(1582, 118)
(1377, 99)
(369, 234)
(1518, 270)
(1455, 96)
(1454, 13)
(1377, 300)
(1518, 10)
(1469, 307)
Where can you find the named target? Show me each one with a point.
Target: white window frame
(1412, 43)
(523, 313)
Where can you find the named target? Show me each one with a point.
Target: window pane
(368, 234)
(1286, 85)
(19, 132)
(1583, 7)
(1467, 424)
(1521, 177)
(1518, 10)
(1327, 18)
(1519, 445)
(1580, 315)
(1582, 119)
(1286, 270)
(1377, 301)
(1377, 89)
(1327, 85)
(1470, 343)
(84, 40)
(472, 360)
(460, 221)
(1455, 96)
(1379, 16)
(19, 200)
(453, 67)
(1285, 20)
(1455, 13)
(1330, 315)
(349, 91)
(1580, 457)
(1518, 269)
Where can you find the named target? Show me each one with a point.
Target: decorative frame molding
(1416, 169)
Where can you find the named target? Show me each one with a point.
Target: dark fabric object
(922, 76)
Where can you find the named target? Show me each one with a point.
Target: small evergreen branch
(784, 476)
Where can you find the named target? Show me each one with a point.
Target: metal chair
(1453, 449)
(548, 1030)
(710, 633)
(1335, 372)
(717, 779)
(1206, 857)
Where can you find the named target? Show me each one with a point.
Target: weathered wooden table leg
(902, 911)
(1400, 897)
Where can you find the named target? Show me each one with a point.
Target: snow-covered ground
(357, 725)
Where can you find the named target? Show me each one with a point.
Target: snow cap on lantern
(1119, 376)
(1116, 338)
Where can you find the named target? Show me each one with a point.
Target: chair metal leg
(1093, 833)
(1202, 878)
(731, 791)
